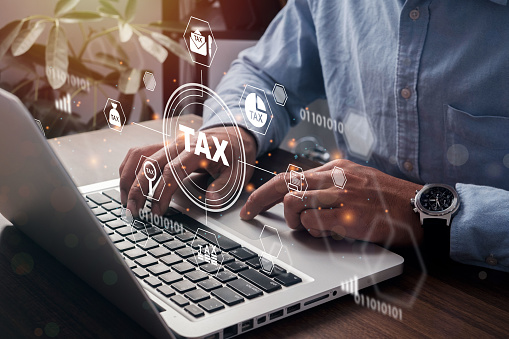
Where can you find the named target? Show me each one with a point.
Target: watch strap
(437, 238)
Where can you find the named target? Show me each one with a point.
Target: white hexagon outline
(292, 192)
(158, 182)
(269, 256)
(284, 90)
(108, 120)
(131, 223)
(132, 232)
(147, 73)
(196, 235)
(244, 115)
(213, 40)
(345, 135)
(336, 168)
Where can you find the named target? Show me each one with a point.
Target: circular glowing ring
(170, 131)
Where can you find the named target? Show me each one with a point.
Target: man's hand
(370, 207)
(188, 162)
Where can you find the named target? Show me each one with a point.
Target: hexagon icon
(150, 168)
(338, 177)
(256, 109)
(296, 181)
(114, 114)
(359, 135)
(271, 241)
(279, 94)
(150, 81)
(200, 41)
(207, 248)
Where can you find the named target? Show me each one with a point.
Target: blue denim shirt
(431, 77)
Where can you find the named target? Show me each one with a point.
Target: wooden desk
(38, 294)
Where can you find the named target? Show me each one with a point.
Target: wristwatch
(436, 205)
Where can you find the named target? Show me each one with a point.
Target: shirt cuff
(480, 230)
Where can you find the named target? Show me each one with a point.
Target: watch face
(437, 199)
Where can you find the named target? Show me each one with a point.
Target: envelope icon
(198, 43)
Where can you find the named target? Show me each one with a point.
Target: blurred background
(65, 58)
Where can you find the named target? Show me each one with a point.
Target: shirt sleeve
(286, 54)
(480, 230)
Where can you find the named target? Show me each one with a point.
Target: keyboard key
(211, 305)
(139, 225)
(276, 270)
(170, 278)
(150, 231)
(243, 253)
(288, 279)
(126, 230)
(196, 276)
(236, 266)
(225, 243)
(162, 238)
(185, 252)
(135, 253)
(211, 268)
(115, 224)
(106, 217)
(158, 269)
(171, 259)
(159, 252)
(140, 272)
(111, 206)
(146, 261)
(124, 245)
(99, 211)
(246, 289)
(91, 204)
(225, 258)
(194, 310)
(131, 264)
(254, 263)
(153, 281)
(108, 230)
(113, 194)
(209, 284)
(180, 300)
(116, 237)
(166, 290)
(228, 296)
(199, 242)
(185, 236)
(183, 286)
(195, 261)
(98, 198)
(147, 245)
(225, 276)
(174, 245)
(136, 238)
(183, 267)
(197, 295)
(117, 212)
(263, 282)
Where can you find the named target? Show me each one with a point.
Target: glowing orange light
(250, 187)
(187, 209)
(270, 154)
(386, 211)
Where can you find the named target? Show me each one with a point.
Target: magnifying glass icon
(150, 173)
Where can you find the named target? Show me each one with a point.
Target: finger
(336, 221)
(127, 169)
(184, 164)
(265, 197)
(319, 199)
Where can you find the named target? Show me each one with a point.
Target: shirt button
(408, 166)
(414, 14)
(491, 260)
(406, 93)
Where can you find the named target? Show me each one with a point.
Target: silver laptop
(154, 269)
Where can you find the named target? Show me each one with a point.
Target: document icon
(296, 181)
(198, 43)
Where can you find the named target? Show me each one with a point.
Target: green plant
(19, 49)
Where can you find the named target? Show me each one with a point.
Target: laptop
(155, 269)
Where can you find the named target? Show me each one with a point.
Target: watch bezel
(450, 210)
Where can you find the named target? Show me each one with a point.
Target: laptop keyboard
(165, 259)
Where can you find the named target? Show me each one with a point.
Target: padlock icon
(115, 116)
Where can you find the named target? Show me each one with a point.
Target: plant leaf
(169, 26)
(7, 35)
(64, 6)
(27, 38)
(109, 60)
(118, 47)
(153, 48)
(125, 31)
(108, 9)
(172, 46)
(129, 82)
(130, 10)
(57, 60)
(74, 17)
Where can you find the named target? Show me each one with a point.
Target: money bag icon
(115, 116)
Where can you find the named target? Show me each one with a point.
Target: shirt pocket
(477, 148)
